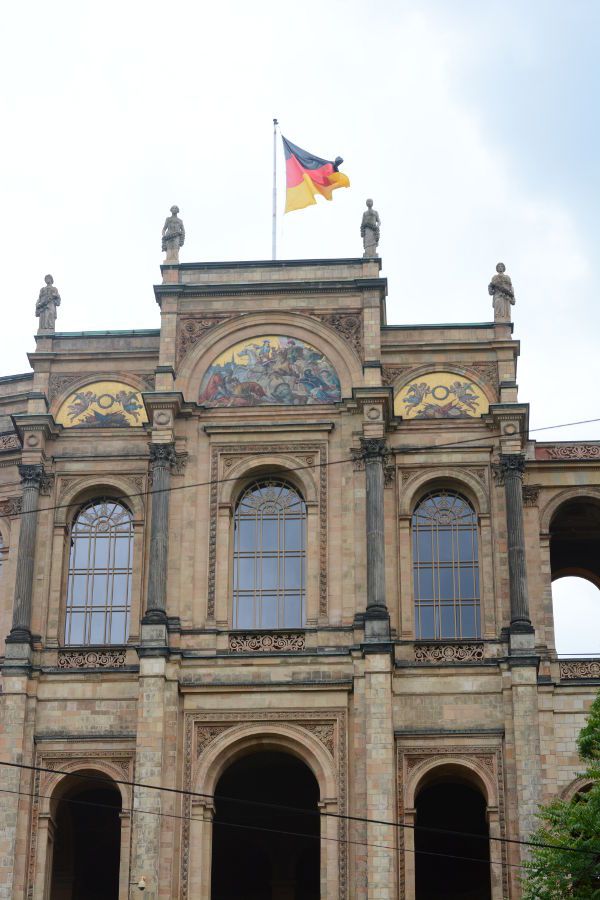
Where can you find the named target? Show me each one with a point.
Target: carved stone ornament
(531, 492)
(580, 668)
(347, 325)
(31, 476)
(449, 652)
(374, 448)
(267, 642)
(47, 484)
(113, 658)
(391, 374)
(11, 507)
(574, 451)
(511, 465)
(9, 441)
(191, 329)
(389, 472)
(162, 455)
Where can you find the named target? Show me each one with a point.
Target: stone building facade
(279, 532)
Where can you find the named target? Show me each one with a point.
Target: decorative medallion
(270, 370)
(440, 395)
(103, 404)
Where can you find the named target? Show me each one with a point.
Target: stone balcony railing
(449, 651)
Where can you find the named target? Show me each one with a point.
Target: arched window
(269, 557)
(99, 581)
(445, 568)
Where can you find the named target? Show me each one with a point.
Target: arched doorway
(87, 840)
(453, 862)
(264, 852)
(575, 572)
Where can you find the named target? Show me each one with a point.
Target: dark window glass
(269, 581)
(99, 581)
(446, 568)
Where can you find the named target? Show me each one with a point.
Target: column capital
(373, 448)
(512, 465)
(31, 475)
(162, 455)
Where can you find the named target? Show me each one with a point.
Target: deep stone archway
(87, 842)
(453, 862)
(264, 852)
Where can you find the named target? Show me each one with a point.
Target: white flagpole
(274, 233)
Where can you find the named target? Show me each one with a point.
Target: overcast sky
(472, 123)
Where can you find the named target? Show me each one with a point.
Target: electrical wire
(284, 808)
(150, 812)
(317, 465)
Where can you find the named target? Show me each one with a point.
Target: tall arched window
(269, 557)
(445, 568)
(99, 582)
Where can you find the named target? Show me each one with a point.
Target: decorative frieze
(449, 652)
(391, 374)
(9, 441)
(109, 658)
(579, 669)
(267, 642)
(574, 451)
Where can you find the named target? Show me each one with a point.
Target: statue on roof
(173, 235)
(45, 308)
(503, 297)
(370, 230)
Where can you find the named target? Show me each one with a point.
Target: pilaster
(382, 865)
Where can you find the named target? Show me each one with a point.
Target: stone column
(162, 457)
(377, 619)
(31, 477)
(512, 466)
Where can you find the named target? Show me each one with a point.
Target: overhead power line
(316, 465)
(319, 837)
(109, 780)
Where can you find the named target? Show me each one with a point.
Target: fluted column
(162, 457)
(512, 466)
(374, 454)
(31, 478)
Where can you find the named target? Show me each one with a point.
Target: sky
(473, 124)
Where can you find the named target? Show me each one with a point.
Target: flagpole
(274, 233)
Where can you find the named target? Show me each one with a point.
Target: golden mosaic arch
(440, 395)
(103, 404)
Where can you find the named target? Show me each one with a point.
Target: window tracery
(269, 557)
(445, 568)
(99, 578)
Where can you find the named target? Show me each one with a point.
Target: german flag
(308, 175)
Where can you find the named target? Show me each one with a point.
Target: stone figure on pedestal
(370, 230)
(173, 235)
(501, 290)
(45, 308)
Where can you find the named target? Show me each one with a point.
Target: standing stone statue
(45, 308)
(501, 290)
(369, 230)
(173, 235)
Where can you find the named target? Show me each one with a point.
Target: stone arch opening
(575, 573)
(86, 857)
(276, 846)
(452, 848)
